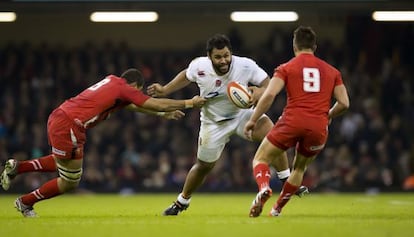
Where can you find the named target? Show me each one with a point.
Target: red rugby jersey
(97, 102)
(309, 83)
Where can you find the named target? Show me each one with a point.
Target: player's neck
(304, 51)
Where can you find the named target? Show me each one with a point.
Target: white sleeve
(258, 74)
(191, 72)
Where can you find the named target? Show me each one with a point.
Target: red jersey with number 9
(309, 83)
(97, 102)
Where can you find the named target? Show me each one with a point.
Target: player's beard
(222, 68)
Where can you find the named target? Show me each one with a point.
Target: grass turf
(216, 215)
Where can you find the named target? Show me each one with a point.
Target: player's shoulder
(244, 62)
(198, 66)
(200, 61)
(242, 59)
(285, 65)
(115, 79)
(328, 66)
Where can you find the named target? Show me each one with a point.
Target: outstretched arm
(180, 81)
(173, 115)
(163, 104)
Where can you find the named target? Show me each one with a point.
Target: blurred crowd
(369, 149)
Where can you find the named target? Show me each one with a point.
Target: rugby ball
(239, 95)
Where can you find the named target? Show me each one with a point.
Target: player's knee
(66, 186)
(70, 178)
(204, 167)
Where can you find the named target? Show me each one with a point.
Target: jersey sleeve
(281, 72)
(338, 78)
(258, 74)
(191, 72)
(133, 96)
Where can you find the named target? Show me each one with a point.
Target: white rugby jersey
(219, 107)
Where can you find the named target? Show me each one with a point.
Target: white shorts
(213, 136)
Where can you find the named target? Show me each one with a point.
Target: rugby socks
(182, 200)
(48, 190)
(284, 197)
(43, 164)
(262, 175)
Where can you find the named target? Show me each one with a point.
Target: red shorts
(65, 136)
(309, 136)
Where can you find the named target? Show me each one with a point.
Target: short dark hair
(304, 38)
(218, 41)
(133, 75)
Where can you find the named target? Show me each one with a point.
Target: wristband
(160, 114)
(188, 104)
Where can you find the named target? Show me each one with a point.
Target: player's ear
(134, 84)
(295, 49)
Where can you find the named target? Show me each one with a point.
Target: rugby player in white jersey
(220, 118)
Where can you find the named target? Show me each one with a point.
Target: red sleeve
(338, 79)
(136, 97)
(281, 72)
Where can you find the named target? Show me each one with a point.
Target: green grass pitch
(212, 214)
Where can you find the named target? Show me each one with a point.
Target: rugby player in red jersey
(67, 126)
(311, 84)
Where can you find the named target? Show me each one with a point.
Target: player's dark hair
(304, 38)
(218, 41)
(133, 75)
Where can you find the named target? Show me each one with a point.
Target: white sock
(183, 200)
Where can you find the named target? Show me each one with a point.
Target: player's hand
(156, 90)
(256, 94)
(251, 103)
(198, 101)
(174, 115)
(248, 129)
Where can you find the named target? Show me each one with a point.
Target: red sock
(43, 164)
(262, 175)
(287, 191)
(48, 190)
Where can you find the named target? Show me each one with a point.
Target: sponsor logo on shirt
(58, 152)
(315, 148)
(211, 95)
(201, 73)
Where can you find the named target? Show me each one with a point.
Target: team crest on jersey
(218, 83)
(201, 73)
